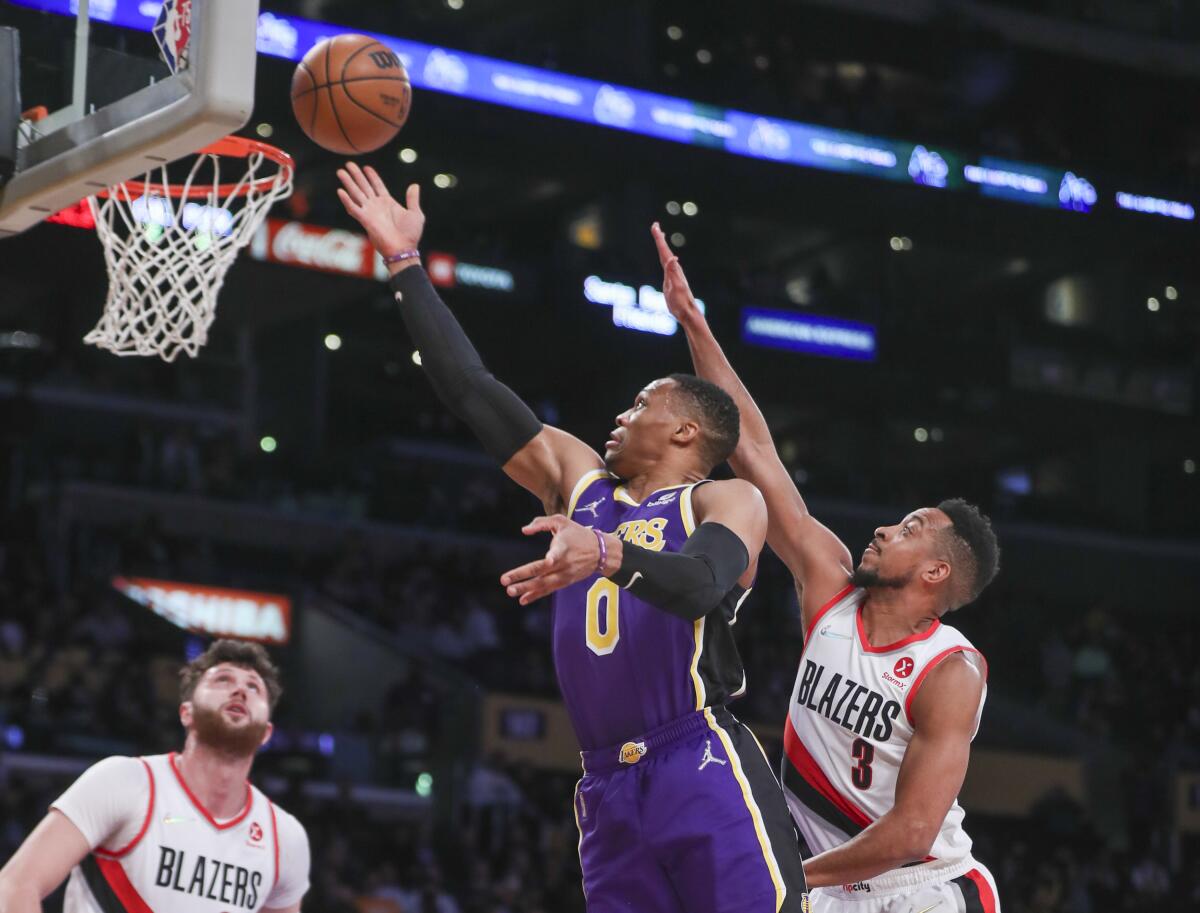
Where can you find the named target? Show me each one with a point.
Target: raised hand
(573, 556)
(390, 226)
(677, 292)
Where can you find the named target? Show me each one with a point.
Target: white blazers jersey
(181, 859)
(850, 722)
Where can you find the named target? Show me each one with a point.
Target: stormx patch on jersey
(902, 670)
(858, 708)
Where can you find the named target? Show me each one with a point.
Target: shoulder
(117, 771)
(291, 831)
(952, 683)
(727, 493)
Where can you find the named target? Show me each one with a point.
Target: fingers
(351, 207)
(360, 180)
(532, 590)
(675, 272)
(525, 572)
(412, 197)
(351, 186)
(376, 182)
(544, 525)
(660, 241)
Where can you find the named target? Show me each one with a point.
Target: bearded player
(175, 833)
(678, 809)
(887, 698)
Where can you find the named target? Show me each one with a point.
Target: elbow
(695, 605)
(916, 840)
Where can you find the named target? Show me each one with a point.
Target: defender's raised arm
(817, 559)
(544, 460)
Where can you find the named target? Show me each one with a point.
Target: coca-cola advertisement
(330, 250)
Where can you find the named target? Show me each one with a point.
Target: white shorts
(966, 888)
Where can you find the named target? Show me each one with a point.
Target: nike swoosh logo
(171, 819)
(825, 632)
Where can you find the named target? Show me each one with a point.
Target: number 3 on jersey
(863, 752)
(606, 595)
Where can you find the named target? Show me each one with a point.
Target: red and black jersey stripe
(109, 884)
(977, 893)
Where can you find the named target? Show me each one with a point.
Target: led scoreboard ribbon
(679, 120)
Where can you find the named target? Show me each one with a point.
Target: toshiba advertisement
(214, 611)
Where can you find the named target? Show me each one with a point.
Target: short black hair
(241, 653)
(973, 546)
(714, 410)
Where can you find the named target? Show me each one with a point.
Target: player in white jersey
(887, 698)
(177, 833)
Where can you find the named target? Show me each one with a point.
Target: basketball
(351, 94)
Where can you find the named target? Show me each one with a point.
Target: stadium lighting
(1152, 304)
(1189, 467)
(673, 207)
(424, 785)
(264, 130)
(454, 4)
(333, 342)
(416, 358)
(268, 444)
(678, 239)
(407, 155)
(920, 435)
(1171, 292)
(704, 55)
(674, 32)
(690, 208)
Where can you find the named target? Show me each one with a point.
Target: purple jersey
(624, 666)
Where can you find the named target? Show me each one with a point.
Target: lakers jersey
(181, 859)
(625, 666)
(850, 722)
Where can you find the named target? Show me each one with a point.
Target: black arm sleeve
(689, 583)
(499, 418)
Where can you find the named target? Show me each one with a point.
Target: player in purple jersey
(678, 809)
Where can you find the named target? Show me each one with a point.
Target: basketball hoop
(167, 246)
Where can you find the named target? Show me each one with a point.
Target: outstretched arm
(41, 864)
(689, 583)
(819, 562)
(931, 775)
(544, 460)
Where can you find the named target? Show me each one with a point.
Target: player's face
(643, 432)
(230, 709)
(897, 554)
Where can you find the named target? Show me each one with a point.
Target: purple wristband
(401, 256)
(603, 551)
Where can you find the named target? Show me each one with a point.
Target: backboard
(206, 91)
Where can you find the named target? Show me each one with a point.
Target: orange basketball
(351, 94)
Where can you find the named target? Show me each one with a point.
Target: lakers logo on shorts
(805, 907)
(631, 752)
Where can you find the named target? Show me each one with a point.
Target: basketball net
(167, 247)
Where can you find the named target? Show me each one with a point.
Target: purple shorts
(687, 818)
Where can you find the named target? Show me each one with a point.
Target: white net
(167, 253)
